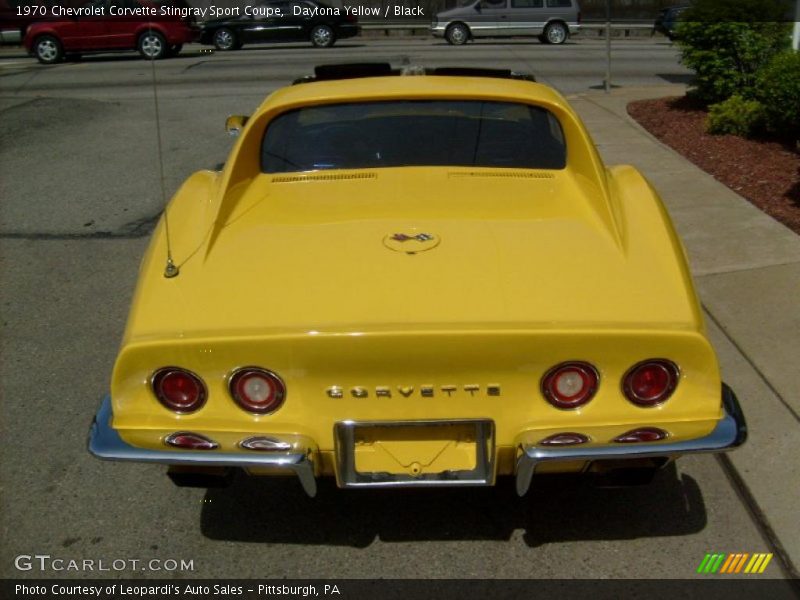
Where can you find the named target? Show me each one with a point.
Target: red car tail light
(190, 441)
(257, 390)
(644, 434)
(570, 384)
(650, 382)
(178, 389)
(564, 439)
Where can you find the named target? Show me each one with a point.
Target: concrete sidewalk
(747, 270)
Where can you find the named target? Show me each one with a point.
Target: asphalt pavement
(80, 193)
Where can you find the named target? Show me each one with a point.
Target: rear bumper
(105, 443)
(10, 36)
(300, 454)
(182, 35)
(348, 30)
(730, 432)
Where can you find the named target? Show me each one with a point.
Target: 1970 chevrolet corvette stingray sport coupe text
(417, 277)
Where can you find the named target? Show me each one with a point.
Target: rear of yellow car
(397, 320)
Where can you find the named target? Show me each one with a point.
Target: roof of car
(357, 70)
(413, 86)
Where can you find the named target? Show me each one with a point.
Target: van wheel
(556, 33)
(48, 50)
(457, 34)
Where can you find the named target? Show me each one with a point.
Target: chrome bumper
(730, 432)
(105, 443)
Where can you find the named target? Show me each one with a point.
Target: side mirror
(235, 123)
(477, 6)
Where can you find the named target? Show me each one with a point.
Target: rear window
(413, 133)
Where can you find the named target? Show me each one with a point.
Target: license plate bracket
(458, 452)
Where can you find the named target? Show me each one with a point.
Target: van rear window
(413, 133)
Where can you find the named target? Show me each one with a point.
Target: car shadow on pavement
(558, 508)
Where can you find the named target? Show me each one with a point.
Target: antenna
(171, 269)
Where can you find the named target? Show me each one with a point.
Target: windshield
(413, 133)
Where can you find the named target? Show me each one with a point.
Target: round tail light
(570, 384)
(650, 382)
(257, 390)
(178, 389)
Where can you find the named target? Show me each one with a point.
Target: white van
(552, 21)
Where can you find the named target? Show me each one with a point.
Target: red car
(155, 29)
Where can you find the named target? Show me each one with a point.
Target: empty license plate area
(415, 453)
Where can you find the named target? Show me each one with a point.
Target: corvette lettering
(409, 391)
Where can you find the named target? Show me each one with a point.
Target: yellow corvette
(414, 278)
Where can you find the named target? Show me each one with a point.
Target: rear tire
(556, 33)
(322, 36)
(48, 50)
(152, 45)
(225, 39)
(457, 34)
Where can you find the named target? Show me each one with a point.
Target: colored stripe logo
(731, 564)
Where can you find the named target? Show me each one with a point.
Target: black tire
(322, 36)
(48, 50)
(152, 45)
(225, 39)
(556, 33)
(457, 34)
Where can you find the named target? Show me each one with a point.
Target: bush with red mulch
(765, 171)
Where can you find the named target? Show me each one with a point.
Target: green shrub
(779, 92)
(737, 116)
(726, 42)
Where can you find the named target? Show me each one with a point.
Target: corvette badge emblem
(411, 241)
(420, 237)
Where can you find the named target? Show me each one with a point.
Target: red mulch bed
(766, 172)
